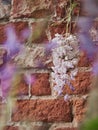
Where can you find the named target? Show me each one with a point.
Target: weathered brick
(62, 9)
(60, 6)
(19, 28)
(11, 128)
(61, 28)
(95, 24)
(43, 110)
(76, 11)
(40, 127)
(2, 108)
(41, 85)
(23, 88)
(81, 84)
(3, 36)
(33, 57)
(19, 86)
(3, 54)
(80, 108)
(57, 28)
(84, 61)
(35, 9)
(4, 9)
(39, 32)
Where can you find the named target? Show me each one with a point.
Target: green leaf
(90, 125)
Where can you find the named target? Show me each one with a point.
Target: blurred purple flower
(12, 44)
(48, 48)
(30, 79)
(6, 76)
(87, 45)
(85, 23)
(91, 7)
(25, 33)
(66, 97)
(95, 68)
(7, 71)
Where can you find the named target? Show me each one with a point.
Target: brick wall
(38, 103)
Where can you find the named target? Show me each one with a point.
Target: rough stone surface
(81, 84)
(19, 27)
(41, 85)
(80, 108)
(4, 9)
(35, 9)
(42, 110)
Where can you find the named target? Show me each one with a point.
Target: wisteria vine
(65, 59)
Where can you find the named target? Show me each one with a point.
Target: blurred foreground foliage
(91, 124)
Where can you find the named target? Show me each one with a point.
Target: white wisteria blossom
(65, 60)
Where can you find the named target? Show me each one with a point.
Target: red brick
(11, 128)
(66, 129)
(60, 6)
(43, 110)
(39, 32)
(60, 11)
(82, 84)
(19, 87)
(77, 9)
(3, 54)
(84, 61)
(35, 9)
(80, 108)
(18, 26)
(41, 85)
(58, 27)
(2, 33)
(2, 108)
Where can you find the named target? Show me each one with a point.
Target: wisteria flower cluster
(65, 59)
